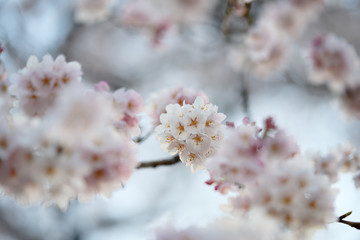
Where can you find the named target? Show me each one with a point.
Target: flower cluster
(268, 43)
(261, 166)
(127, 105)
(79, 146)
(158, 17)
(294, 194)
(245, 154)
(333, 61)
(194, 131)
(344, 159)
(179, 95)
(36, 86)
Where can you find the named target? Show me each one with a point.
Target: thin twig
(143, 138)
(351, 224)
(231, 5)
(247, 15)
(154, 164)
(225, 26)
(245, 94)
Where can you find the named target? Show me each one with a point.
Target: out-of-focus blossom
(265, 48)
(245, 155)
(295, 195)
(147, 16)
(238, 160)
(73, 151)
(179, 95)
(158, 17)
(91, 11)
(327, 165)
(194, 131)
(307, 5)
(78, 115)
(333, 61)
(345, 158)
(129, 103)
(37, 85)
(285, 17)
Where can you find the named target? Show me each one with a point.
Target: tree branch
(351, 224)
(154, 164)
(143, 138)
(231, 5)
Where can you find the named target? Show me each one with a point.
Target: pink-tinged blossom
(102, 86)
(238, 160)
(328, 165)
(128, 104)
(265, 48)
(149, 17)
(110, 159)
(280, 146)
(179, 95)
(73, 152)
(247, 151)
(349, 158)
(91, 11)
(37, 85)
(285, 17)
(294, 194)
(78, 114)
(194, 131)
(343, 159)
(333, 61)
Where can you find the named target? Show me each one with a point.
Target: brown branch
(225, 26)
(351, 224)
(247, 15)
(154, 164)
(231, 5)
(143, 138)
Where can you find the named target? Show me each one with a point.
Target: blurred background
(196, 56)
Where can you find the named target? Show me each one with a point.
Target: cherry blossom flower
(194, 131)
(36, 86)
(245, 154)
(265, 47)
(127, 104)
(333, 61)
(179, 95)
(294, 194)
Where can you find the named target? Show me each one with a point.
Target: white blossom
(194, 131)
